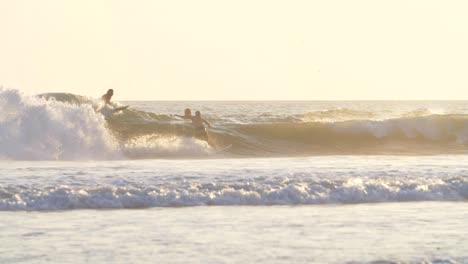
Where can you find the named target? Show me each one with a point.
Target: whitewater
(279, 181)
(304, 181)
(68, 127)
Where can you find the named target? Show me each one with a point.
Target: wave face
(66, 127)
(322, 132)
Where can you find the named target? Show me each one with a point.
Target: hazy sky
(239, 49)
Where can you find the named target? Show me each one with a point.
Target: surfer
(106, 98)
(200, 130)
(197, 123)
(187, 114)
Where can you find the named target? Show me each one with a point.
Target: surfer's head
(197, 114)
(110, 92)
(187, 112)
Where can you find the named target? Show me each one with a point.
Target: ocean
(279, 182)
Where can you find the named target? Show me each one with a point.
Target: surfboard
(107, 111)
(120, 108)
(223, 148)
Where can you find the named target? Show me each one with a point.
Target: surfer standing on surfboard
(107, 100)
(107, 96)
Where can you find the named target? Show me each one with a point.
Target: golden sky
(237, 50)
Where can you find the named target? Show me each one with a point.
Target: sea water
(304, 182)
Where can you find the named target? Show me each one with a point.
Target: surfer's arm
(121, 108)
(206, 122)
(183, 117)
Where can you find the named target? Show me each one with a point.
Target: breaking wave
(66, 127)
(251, 191)
(33, 128)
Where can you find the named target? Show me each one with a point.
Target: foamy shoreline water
(423, 232)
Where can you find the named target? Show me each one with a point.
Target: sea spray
(67, 127)
(32, 128)
(166, 146)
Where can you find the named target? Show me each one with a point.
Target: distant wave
(250, 191)
(66, 126)
(337, 114)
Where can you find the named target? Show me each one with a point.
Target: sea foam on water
(38, 129)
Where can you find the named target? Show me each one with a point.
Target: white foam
(151, 146)
(281, 191)
(433, 128)
(36, 129)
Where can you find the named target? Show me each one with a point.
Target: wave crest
(37, 129)
(66, 126)
(279, 191)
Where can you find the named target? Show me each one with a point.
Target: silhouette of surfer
(187, 114)
(106, 98)
(200, 130)
(197, 123)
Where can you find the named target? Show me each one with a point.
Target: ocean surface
(279, 182)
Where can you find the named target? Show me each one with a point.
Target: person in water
(198, 124)
(187, 114)
(200, 130)
(107, 96)
(107, 100)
